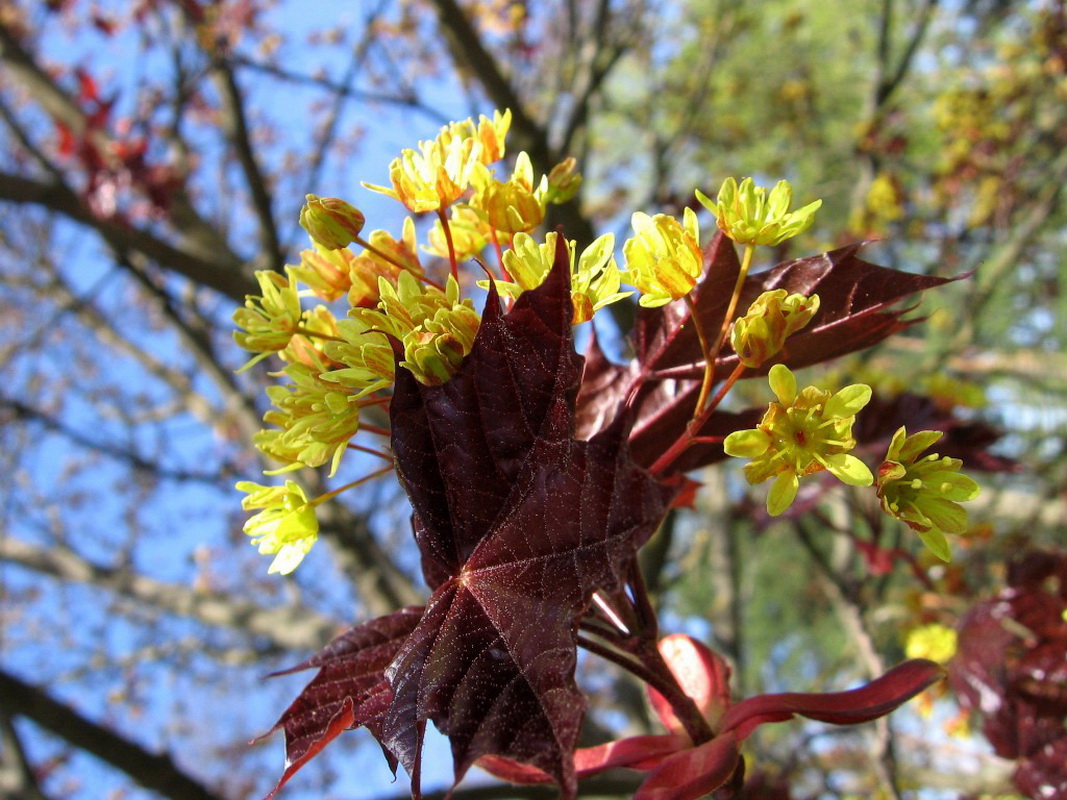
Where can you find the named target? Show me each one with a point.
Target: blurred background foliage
(156, 152)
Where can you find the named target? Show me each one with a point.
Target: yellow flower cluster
(397, 317)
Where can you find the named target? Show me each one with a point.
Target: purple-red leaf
(350, 689)
(518, 523)
(1011, 665)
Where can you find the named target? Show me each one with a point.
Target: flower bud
(331, 222)
(771, 319)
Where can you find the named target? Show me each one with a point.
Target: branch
(17, 780)
(223, 272)
(289, 627)
(157, 772)
(197, 234)
(236, 125)
(137, 462)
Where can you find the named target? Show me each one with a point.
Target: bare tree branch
(223, 272)
(290, 627)
(17, 781)
(153, 771)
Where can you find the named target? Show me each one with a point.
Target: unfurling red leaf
(518, 523)
(874, 700)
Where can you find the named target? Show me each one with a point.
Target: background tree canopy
(156, 153)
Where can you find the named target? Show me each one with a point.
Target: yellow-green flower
(388, 258)
(770, 320)
(269, 321)
(663, 259)
(748, 215)
(470, 234)
(331, 222)
(488, 133)
(325, 272)
(433, 177)
(317, 418)
(801, 434)
(595, 277)
(286, 527)
(436, 328)
(563, 182)
(925, 493)
(508, 206)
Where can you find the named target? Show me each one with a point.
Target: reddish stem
(448, 240)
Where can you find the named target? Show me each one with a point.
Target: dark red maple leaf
(518, 524)
(349, 690)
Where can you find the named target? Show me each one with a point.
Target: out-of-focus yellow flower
(770, 320)
(801, 434)
(331, 222)
(925, 493)
(595, 277)
(935, 642)
(663, 259)
(286, 527)
(748, 215)
(269, 321)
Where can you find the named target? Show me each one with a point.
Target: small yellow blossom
(316, 417)
(436, 328)
(771, 319)
(488, 133)
(925, 493)
(748, 215)
(286, 527)
(433, 177)
(318, 327)
(595, 277)
(801, 434)
(470, 234)
(331, 222)
(508, 206)
(269, 321)
(563, 182)
(663, 259)
(325, 272)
